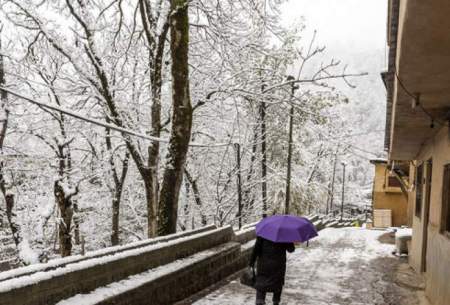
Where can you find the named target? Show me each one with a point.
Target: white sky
(352, 25)
(353, 31)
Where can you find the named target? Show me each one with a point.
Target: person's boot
(276, 298)
(260, 298)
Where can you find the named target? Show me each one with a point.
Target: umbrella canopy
(286, 229)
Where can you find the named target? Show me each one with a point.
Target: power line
(103, 124)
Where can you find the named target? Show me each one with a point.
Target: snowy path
(342, 266)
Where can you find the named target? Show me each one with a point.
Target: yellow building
(418, 114)
(388, 195)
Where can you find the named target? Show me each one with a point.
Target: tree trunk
(15, 230)
(119, 183)
(115, 218)
(151, 206)
(64, 227)
(156, 56)
(248, 196)
(4, 113)
(181, 118)
(197, 198)
(64, 201)
(117, 198)
(76, 224)
(153, 149)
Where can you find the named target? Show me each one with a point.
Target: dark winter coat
(271, 264)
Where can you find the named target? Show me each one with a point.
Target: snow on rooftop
(378, 160)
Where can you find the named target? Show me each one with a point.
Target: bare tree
(181, 118)
(4, 114)
(117, 190)
(156, 40)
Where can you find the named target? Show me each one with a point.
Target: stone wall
(187, 280)
(62, 262)
(184, 281)
(45, 288)
(245, 235)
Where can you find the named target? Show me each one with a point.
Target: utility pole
(239, 182)
(262, 114)
(331, 195)
(343, 190)
(289, 160)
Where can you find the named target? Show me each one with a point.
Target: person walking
(270, 258)
(276, 236)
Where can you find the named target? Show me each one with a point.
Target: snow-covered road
(342, 266)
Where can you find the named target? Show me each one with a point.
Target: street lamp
(289, 161)
(237, 146)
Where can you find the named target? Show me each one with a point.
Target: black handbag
(248, 277)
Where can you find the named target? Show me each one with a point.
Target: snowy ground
(342, 266)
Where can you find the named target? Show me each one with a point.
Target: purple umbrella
(286, 229)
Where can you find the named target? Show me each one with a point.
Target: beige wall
(392, 199)
(438, 253)
(411, 195)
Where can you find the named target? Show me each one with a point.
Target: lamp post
(262, 117)
(289, 160)
(237, 146)
(343, 190)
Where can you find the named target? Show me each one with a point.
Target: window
(419, 190)
(393, 182)
(446, 200)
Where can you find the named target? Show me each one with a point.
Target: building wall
(393, 200)
(438, 245)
